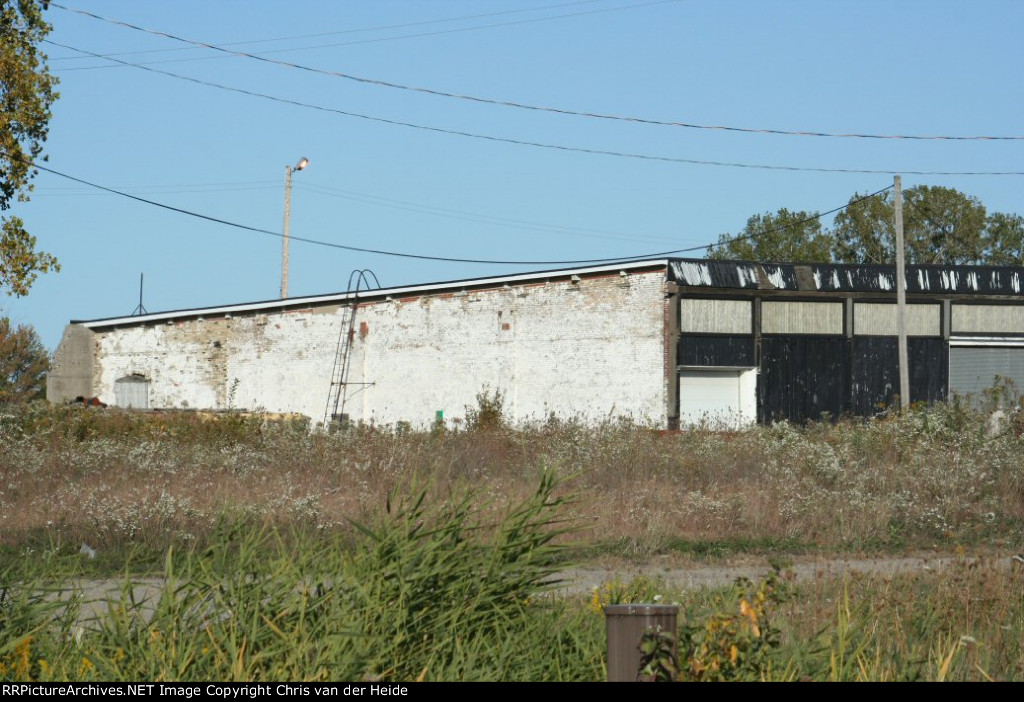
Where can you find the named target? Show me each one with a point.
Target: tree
(940, 225)
(27, 90)
(1005, 239)
(24, 362)
(863, 231)
(783, 236)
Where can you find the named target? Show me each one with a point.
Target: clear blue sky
(925, 67)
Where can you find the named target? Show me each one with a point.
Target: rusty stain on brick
(364, 330)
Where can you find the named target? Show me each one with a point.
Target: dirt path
(582, 579)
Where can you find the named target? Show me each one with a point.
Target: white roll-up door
(717, 397)
(972, 370)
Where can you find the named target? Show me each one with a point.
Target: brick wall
(592, 349)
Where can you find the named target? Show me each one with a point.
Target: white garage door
(725, 398)
(972, 370)
(131, 392)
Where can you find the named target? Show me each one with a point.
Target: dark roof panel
(825, 277)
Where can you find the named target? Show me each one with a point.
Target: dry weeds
(111, 479)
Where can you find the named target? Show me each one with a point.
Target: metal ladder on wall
(358, 281)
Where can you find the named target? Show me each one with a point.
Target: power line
(422, 257)
(169, 189)
(817, 215)
(216, 184)
(476, 217)
(536, 144)
(525, 106)
(383, 39)
(334, 245)
(85, 192)
(354, 31)
(353, 196)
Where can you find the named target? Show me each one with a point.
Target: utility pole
(287, 222)
(901, 294)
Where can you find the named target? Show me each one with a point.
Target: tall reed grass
(429, 595)
(424, 592)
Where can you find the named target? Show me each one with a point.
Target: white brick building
(668, 341)
(587, 342)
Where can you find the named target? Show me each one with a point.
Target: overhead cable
(536, 144)
(353, 31)
(476, 217)
(423, 257)
(383, 39)
(525, 106)
(776, 230)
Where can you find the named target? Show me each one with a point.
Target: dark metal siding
(929, 369)
(875, 372)
(716, 351)
(802, 377)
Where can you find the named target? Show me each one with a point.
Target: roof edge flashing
(297, 303)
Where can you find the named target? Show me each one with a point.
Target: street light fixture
(303, 162)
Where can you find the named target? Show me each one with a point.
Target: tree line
(941, 226)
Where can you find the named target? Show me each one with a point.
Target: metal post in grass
(626, 625)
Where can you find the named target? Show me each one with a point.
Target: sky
(927, 67)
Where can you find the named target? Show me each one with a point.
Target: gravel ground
(582, 579)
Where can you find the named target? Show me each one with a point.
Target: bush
(489, 413)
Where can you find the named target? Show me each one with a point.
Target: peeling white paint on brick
(591, 349)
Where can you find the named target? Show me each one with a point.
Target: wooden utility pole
(901, 294)
(287, 222)
(287, 225)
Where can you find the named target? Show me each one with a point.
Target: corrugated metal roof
(976, 280)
